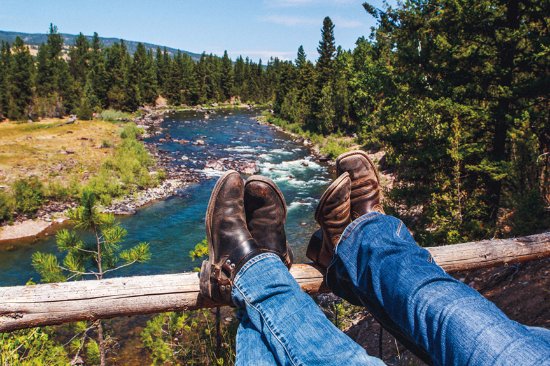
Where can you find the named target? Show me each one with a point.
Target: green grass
(104, 156)
(114, 115)
(126, 171)
(331, 145)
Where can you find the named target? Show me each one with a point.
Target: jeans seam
(398, 233)
(267, 324)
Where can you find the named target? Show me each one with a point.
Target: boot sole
(362, 153)
(289, 255)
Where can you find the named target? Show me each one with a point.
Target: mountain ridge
(35, 39)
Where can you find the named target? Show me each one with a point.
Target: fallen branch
(57, 303)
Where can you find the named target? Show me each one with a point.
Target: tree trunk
(101, 343)
(506, 54)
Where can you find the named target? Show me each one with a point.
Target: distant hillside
(35, 39)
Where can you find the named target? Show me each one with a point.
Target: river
(172, 227)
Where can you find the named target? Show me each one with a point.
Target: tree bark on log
(57, 303)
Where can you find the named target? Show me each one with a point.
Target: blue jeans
(377, 264)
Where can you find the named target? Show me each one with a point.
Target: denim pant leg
(378, 264)
(295, 329)
(252, 348)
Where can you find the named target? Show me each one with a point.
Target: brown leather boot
(265, 208)
(333, 215)
(230, 244)
(366, 194)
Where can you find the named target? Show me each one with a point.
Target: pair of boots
(245, 219)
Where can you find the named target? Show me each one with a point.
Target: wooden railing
(57, 303)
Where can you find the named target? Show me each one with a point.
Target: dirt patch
(25, 229)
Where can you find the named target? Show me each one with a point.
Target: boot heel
(205, 284)
(315, 245)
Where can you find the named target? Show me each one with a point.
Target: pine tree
(187, 81)
(97, 75)
(5, 69)
(54, 82)
(322, 106)
(88, 102)
(20, 81)
(343, 68)
(327, 51)
(79, 57)
(93, 259)
(239, 81)
(305, 84)
(117, 60)
(227, 77)
(172, 89)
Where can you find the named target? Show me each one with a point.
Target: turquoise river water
(173, 226)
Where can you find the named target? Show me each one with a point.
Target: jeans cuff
(253, 261)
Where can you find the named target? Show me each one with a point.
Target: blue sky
(257, 29)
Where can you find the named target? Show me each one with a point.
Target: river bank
(175, 177)
(173, 226)
(54, 213)
(327, 149)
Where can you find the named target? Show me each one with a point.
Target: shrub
(85, 110)
(131, 131)
(114, 115)
(29, 195)
(57, 191)
(127, 170)
(7, 205)
(106, 144)
(530, 215)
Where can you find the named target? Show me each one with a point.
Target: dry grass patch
(55, 152)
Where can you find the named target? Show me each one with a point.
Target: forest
(455, 93)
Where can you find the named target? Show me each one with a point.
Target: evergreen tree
(88, 102)
(5, 70)
(322, 106)
(305, 84)
(79, 57)
(239, 81)
(172, 89)
(20, 81)
(117, 60)
(227, 77)
(90, 259)
(343, 69)
(327, 51)
(97, 74)
(187, 80)
(54, 82)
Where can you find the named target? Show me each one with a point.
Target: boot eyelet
(232, 265)
(228, 262)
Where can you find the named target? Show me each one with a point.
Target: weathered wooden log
(57, 303)
(491, 253)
